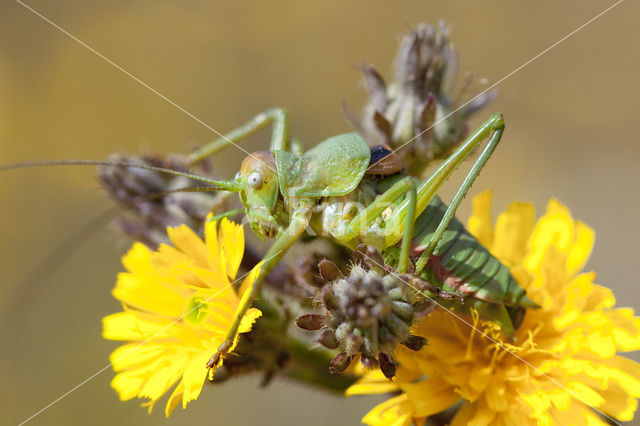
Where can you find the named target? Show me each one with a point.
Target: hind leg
(279, 135)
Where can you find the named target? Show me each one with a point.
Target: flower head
(366, 313)
(422, 103)
(179, 302)
(152, 200)
(563, 362)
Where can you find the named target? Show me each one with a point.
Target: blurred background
(571, 133)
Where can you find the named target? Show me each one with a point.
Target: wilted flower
(563, 362)
(416, 105)
(152, 200)
(179, 302)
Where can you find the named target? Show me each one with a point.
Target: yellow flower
(178, 304)
(566, 350)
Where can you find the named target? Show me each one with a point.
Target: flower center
(196, 310)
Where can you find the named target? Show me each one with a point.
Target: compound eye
(255, 179)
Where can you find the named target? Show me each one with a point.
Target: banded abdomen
(462, 265)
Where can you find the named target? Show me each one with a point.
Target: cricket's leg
(299, 222)
(491, 129)
(430, 245)
(279, 135)
(296, 146)
(363, 219)
(409, 224)
(225, 214)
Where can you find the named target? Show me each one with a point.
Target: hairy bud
(367, 314)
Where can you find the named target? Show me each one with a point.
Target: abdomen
(461, 264)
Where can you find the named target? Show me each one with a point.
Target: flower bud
(340, 363)
(328, 339)
(368, 313)
(387, 366)
(415, 343)
(310, 321)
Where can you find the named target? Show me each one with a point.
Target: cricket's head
(258, 178)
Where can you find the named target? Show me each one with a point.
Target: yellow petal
(138, 254)
(601, 344)
(619, 369)
(512, 232)
(129, 326)
(622, 319)
(553, 229)
(517, 416)
(134, 354)
(479, 223)
(497, 396)
(600, 297)
(626, 330)
(539, 402)
(248, 281)
(430, 396)
(214, 279)
(483, 416)
(189, 243)
(584, 394)
(581, 248)
(194, 376)
(475, 414)
(374, 382)
(556, 207)
(393, 412)
(251, 314)
(164, 377)
(618, 403)
(626, 372)
(576, 415)
(249, 319)
(174, 399)
(130, 383)
(214, 251)
(148, 294)
(464, 415)
(232, 241)
(561, 398)
(579, 291)
(223, 261)
(127, 384)
(245, 324)
(593, 419)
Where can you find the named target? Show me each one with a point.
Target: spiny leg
(457, 199)
(279, 135)
(427, 189)
(299, 222)
(403, 264)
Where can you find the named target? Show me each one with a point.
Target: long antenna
(223, 185)
(161, 194)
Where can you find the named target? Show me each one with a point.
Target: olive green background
(572, 121)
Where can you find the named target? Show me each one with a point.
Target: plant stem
(312, 366)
